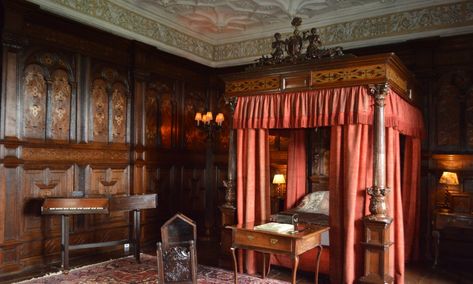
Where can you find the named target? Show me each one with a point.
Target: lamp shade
(449, 178)
(279, 179)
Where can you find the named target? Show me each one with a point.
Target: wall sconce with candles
(448, 179)
(206, 122)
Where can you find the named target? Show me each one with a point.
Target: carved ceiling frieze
(231, 32)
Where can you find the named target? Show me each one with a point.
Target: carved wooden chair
(177, 254)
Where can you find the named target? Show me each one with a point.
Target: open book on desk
(276, 227)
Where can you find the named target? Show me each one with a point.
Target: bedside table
(454, 229)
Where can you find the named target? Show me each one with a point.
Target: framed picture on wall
(460, 202)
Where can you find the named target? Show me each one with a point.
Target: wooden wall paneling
(195, 100)
(192, 195)
(48, 95)
(38, 184)
(3, 213)
(109, 104)
(10, 115)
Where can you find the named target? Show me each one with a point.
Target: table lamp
(447, 179)
(278, 180)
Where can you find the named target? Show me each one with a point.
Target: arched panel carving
(60, 105)
(448, 113)
(99, 112)
(119, 110)
(34, 101)
(109, 105)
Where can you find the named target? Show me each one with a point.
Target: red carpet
(126, 270)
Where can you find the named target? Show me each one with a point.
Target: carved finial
(379, 92)
(231, 102)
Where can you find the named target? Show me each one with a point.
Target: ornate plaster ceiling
(231, 32)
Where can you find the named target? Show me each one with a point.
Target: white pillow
(315, 202)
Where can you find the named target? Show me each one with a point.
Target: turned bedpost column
(378, 224)
(228, 209)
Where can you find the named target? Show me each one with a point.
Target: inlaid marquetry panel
(60, 105)
(39, 184)
(348, 74)
(119, 107)
(99, 107)
(194, 138)
(250, 85)
(151, 116)
(47, 94)
(34, 101)
(109, 105)
(74, 155)
(159, 114)
(167, 112)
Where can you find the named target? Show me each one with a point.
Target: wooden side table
(244, 236)
(446, 223)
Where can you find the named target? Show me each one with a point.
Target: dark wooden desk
(66, 206)
(454, 225)
(294, 244)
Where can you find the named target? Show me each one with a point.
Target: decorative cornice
(445, 19)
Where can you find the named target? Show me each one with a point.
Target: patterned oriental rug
(126, 270)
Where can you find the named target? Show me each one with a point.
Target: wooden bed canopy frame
(377, 73)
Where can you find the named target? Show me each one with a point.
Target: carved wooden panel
(60, 105)
(469, 118)
(194, 138)
(151, 116)
(448, 113)
(108, 182)
(99, 110)
(159, 113)
(192, 198)
(119, 111)
(109, 105)
(167, 110)
(34, 101)
(348, 74)
(38, 184)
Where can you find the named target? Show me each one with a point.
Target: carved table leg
(65, 243)
(436, 235)
(234, 263)
(317, 262)
(294, 268)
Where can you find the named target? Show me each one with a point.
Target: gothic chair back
(177, 254)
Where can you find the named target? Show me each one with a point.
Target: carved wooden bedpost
(378, 224)
(228, 209)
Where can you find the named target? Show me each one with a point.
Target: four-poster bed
(368, 103)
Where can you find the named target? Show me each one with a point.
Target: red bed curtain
(253, 201)
(349, 111)
(296, 167)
